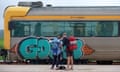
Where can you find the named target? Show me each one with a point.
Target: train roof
(88, 10)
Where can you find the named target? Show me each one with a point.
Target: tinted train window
(107, 29)
(52, 28)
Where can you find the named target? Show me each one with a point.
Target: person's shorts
(69, 53)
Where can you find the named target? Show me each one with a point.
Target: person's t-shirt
(66, 42)
(55, 46)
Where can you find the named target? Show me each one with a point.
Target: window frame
(73, 21)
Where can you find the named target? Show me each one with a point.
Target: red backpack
(73, 43)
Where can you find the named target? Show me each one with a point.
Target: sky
(5, 3)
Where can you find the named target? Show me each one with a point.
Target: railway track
(25, 63)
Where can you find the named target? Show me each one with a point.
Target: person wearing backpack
(70, 43)
(56, 51)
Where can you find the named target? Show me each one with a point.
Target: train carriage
(97, 30)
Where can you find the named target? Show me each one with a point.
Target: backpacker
(73, 43)
(55, 46)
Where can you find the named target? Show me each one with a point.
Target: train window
(119, 28)
(18, 30)
(51, 28)
(78, 28)
(106, 29)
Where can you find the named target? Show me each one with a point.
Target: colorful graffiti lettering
(32, 48)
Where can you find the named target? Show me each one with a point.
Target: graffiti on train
(32, 48)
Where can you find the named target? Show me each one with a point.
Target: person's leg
(54, 61)
(71, 60)
(68, 62)
(58, 60)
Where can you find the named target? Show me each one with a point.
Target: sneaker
(67, 68)
(71, 68)
(52, 68)
(57, 68)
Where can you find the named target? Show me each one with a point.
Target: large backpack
(72, 43)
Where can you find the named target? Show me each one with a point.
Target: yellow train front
(27, 26)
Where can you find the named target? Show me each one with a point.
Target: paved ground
(46, 68)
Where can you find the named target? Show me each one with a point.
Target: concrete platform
(46, 68)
